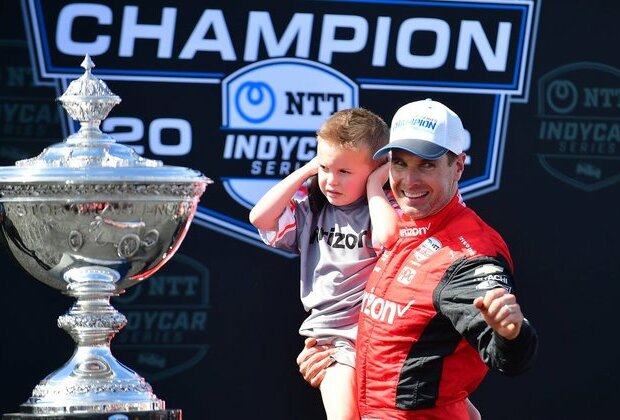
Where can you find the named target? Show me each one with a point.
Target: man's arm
(514, 343)
(477, 296)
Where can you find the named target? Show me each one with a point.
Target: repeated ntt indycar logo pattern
(578, 131)
(238, 91)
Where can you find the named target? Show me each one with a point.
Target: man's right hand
(313, 360)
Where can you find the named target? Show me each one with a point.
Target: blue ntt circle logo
(255, 101)
(562, 96)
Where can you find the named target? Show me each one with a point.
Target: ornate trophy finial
(89, 101)
(87, 63)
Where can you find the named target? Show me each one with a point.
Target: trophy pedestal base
(128, 415)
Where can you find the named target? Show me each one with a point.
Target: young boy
(331, 230)
(339, 230)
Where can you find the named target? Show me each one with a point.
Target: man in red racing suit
(421, 343)
(439, 309)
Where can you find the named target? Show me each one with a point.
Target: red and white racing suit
(422, 346)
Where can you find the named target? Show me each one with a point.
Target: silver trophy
(91, 218)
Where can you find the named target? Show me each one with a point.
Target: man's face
(423, 187)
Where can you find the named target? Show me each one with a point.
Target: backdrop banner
(237, 91)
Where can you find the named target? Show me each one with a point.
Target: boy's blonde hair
(352, 128)
(355, 128)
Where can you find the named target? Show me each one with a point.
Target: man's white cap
(427, 129)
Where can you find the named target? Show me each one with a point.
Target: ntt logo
(255, 102)
(284, 94)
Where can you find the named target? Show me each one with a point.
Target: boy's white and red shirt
(337, 254)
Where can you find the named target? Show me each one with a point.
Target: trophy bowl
(91, 218)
